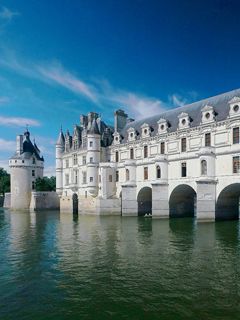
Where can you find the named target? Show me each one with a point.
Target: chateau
(184, 161)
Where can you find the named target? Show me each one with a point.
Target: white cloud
(7, 14)
(50, 171)
(139, 106)
(18, 122)
(61, 76)
(7, 145)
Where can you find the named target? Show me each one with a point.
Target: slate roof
(219, 103)
(28, 149)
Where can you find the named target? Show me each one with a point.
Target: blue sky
(59, 59)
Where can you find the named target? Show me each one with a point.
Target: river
(54, 266)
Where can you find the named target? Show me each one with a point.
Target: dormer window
(131, 134)
(145, 130)
(234, 104)
(208, 114)
(116, 138)
(162, 126)
(183, 121)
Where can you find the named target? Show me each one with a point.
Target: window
(131, 153)
(145, 170)
(33, 173)
(33, 185)
(236, 164)
(183, 144)
(162, 147)
(117, 176)
(145, 151)
(90, 179)
(184, 169)
(116, 156)
(207, 139)
(74, 159)
(75, 145)
(110, 178)
(66, 179)
(75, 177)
(158, 172)
(235, 135)
(84, 160)
(34, 161)
(91, 159)
(90, 144)
(22, 161)
(67, 163)
(84, 177)
(203, 167)
(127, 175)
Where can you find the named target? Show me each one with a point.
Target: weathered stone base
(92, 206)
(160, 205)
(39, 201)
(44, 201)
(129, 202)
(206, 195)
(7, 200)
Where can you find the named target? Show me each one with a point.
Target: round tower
(25, 166)
(93, 157)
(60, 145)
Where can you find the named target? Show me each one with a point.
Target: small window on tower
(34, 161)
(33, 173)
(91, 179)
(117, 176)
(33, 185)
(90, 144)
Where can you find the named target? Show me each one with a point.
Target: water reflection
(93, 267)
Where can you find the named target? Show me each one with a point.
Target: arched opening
(144, 200)
(127, 175)
(75, 203)
(158, 172)
(203, 167)
(227, 207)
(182, 202)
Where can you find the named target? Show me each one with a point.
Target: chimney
(19, 149)
(120, 120)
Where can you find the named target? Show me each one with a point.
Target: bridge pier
(206, 199)
(160, 204)
(129, 200)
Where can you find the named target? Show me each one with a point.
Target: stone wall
(7, 200)
(44, 201)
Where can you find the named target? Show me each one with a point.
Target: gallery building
(183, 162)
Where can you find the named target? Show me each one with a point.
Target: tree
(4, 181)
(46, 184)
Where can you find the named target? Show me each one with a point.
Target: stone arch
(75, 203)
(227, 206)
(182, 201)
(144, 200)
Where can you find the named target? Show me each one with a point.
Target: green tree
(46, 184)
(4, 181)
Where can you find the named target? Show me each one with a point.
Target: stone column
(160, 205)
(129, 199)
(206, 199)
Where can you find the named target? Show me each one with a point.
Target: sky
(61, 58)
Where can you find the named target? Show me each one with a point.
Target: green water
(55, 267)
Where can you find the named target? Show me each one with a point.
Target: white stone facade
(183, 162)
